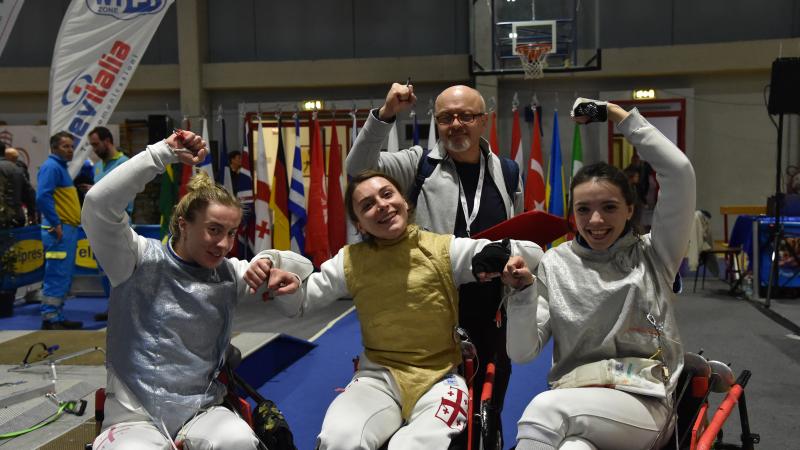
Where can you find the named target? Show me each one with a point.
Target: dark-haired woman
(171, 307)
(605, 298)
(404, 283)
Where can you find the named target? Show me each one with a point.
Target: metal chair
(733, 272)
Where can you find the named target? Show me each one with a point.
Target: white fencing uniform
(367, 413)
(597, 306)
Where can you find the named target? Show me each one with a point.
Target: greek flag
(297, 196)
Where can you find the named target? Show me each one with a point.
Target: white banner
(9, 9)
(99, 45)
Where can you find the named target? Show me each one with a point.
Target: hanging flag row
(545, 190)
(278, 213)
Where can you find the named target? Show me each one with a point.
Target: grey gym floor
(736, 331)
(728, 329)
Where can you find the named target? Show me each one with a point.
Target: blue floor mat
(27, 317)
(527, 380)
(305, 389)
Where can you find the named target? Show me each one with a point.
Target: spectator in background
(110, 156)
(12, 154)
(632, 172)
(57, 199)
(241, 182)
(84, 180)
(243, 191)
(15, 191)
(643, 179)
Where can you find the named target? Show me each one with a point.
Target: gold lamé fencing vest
(407, 304)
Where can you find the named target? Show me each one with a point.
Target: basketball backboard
(501, 26)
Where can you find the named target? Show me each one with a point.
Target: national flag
(394, 143)
(206, 166)
(317, 246)
(263, 229)
(432, 131)
(415, 131)
(516, 142)
(352, 234)
(244, 192)
(493, 133)
(556, 202)
(577, 163)
(167, 198)
(337, 219)
(186, 170)
(279, 200)
(354, 128)
(534, 186)
(297, 196)
(577, 151)
(453, 408)
(224, 175)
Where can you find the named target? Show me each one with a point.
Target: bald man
(16, 191)
(12, 154)
(467, 192)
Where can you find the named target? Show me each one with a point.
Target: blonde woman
(171, 307)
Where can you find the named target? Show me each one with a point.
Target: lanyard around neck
(476, 202)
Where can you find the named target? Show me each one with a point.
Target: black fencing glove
(594, 110)
(492, 259)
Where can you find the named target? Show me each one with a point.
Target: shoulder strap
(510, 175)
(425, 168)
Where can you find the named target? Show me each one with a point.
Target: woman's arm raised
(114, 243)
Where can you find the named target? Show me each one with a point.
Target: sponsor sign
(99, 46)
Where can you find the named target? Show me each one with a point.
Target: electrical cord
(41, 424)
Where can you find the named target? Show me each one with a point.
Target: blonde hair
(202, 191)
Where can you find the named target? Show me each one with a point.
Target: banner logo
(125, 9)
(76, 89)
(87, 93)
(28, 256)
(84, 257)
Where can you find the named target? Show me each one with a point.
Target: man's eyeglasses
(465, 118)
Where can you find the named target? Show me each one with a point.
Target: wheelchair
(265, 419)
(483, 430)
(697, 428)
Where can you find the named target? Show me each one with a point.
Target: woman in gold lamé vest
(404, 283)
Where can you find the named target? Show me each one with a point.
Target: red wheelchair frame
(707, 434)
(702, 432)
(489, 434)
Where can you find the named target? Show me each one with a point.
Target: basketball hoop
(533, 56)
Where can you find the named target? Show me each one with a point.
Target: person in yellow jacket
(404, 283)
(57, 199)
